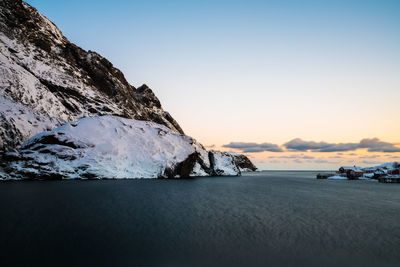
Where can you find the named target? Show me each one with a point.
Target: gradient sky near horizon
(259, 72)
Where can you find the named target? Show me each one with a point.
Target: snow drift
(115, 147)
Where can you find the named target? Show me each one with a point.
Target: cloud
(254, 147)
(369, 157)
(274, 161)
(300, 145)
(376, 145)
(301, 156)
(372, 145)
(371, 162)
(326, 161)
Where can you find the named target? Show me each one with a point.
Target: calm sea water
(260, 219)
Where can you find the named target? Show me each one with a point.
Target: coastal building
(351, 172)
(344, 169)
(393, 171)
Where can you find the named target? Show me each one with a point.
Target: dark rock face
(244, 163)
(222, 164)
(185, 168)
(54, 78)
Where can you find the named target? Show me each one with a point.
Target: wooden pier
(324, 175)
(389, 179)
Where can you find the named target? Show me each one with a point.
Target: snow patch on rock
(19, 122)
(222, 163)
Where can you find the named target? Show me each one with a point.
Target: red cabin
(394, 171)
(352, 172)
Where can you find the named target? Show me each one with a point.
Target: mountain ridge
(54, 77)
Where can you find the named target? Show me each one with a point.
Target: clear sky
(261, 73)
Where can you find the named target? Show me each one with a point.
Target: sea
(267, 218)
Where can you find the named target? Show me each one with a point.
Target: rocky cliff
(244, 163)
(56, 81)
(47, 82)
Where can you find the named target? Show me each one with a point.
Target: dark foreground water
(260, 219)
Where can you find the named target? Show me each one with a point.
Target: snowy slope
(42, 70)
(115, 147)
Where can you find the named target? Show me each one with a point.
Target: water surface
(275, 218)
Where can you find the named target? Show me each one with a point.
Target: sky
(292, 84)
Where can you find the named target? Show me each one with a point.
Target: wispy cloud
(336, 157)
(371, 162)
(326, 161)
(301, 156)
(254, 147)
(274, 161)
(369, 157)
(371, 144)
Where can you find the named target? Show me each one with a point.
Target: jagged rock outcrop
(244, 163)
(57, 81)
(126, 148)
(222, 164)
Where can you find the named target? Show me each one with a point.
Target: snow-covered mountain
(127, 149)
(51, 77)
(79, 114)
